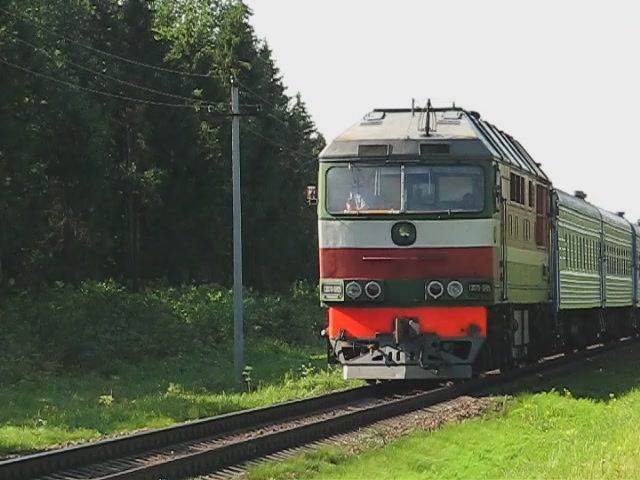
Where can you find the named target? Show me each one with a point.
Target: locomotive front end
(409, 248)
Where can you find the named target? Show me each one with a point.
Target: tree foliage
(101, 178)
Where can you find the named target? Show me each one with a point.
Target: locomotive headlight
(435, 289)
(353, 290)
(455, 289)
(373, 290)
(403, 234)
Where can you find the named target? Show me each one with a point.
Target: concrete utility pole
(238, 307)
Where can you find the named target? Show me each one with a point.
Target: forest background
(115, 147)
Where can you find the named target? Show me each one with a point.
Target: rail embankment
(85, 362)
(584, 424)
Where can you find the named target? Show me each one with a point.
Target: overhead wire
(99, 92)
(285, 123)
(278, 144)
(39, 25)
(263, 99)
(115, 79)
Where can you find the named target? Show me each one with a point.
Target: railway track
(213, 444)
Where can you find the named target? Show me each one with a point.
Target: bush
(100, 324)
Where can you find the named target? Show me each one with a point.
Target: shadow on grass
(601, 378)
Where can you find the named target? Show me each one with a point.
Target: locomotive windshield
(411, 188)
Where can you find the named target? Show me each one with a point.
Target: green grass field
(50, 410)
(83, 362)
(581, 425)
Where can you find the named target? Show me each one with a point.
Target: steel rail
(47, 462)
(359, 407)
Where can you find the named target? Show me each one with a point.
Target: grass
(81, 362)
(49, 410)
(582, 425)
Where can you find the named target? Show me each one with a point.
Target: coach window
(619, 258)
(581, 253)
(626, 262)
(571, 252)
(618, 261)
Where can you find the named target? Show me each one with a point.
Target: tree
(99, 180)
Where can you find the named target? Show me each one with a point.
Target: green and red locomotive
(445, 251)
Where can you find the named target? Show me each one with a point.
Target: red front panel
(407, 263)
(444, 321)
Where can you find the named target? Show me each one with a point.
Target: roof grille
(435, 148)
(373, 150)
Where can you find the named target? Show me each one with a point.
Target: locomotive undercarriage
(516, 335)
(425, 356)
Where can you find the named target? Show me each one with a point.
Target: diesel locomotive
(446, 251)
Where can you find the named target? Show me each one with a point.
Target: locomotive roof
(403, 131)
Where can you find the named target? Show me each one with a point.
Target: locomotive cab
(411, 234)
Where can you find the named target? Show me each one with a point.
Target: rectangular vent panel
(373, 150)
(435, 148)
